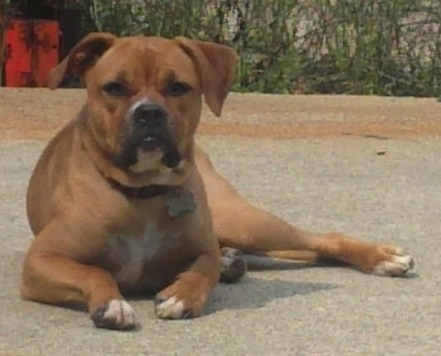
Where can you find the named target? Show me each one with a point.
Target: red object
(31, 51)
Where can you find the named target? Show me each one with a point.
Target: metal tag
(180, 202)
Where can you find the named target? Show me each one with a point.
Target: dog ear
(81, 58)
(216, 65)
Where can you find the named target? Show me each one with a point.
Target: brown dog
(122, 200)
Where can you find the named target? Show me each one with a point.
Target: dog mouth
(171, 156)
(148, 145)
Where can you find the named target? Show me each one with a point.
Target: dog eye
(115, 89)
(177, 88)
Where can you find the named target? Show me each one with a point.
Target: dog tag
(180, 202)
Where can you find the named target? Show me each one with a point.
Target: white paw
(116, 314)
(398, 265)
(171, 308)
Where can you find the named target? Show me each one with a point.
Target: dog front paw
(116, 314)
(171, 308)
(179, 301)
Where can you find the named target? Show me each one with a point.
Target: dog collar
(179, 201)
(146, 192)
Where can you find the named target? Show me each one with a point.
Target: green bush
(385, 47)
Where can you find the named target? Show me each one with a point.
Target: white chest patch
(133, 252)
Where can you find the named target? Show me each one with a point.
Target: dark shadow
(408, 275)
(253, 292)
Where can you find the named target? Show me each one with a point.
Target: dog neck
(179, 201)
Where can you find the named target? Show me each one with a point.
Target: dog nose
(149, 115)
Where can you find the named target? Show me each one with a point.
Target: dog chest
(131, 253)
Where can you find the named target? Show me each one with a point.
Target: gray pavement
(336, 184)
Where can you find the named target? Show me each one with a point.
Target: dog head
(144, 95)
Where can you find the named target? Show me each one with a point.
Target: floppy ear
(81, 58)
(216, 65)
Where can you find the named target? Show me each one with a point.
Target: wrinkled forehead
(146, 60)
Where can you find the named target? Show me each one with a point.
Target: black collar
(146, 192)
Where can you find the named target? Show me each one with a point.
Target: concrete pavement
(379, 190)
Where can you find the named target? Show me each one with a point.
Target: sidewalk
(376, 188)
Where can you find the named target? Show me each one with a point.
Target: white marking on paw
(397, 266)
(121, 312)
(171, 308)
(399, 251)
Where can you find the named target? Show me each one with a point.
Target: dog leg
(53, 278)
(186, 297)
(240, 225)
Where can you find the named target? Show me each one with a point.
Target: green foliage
(385, 47)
